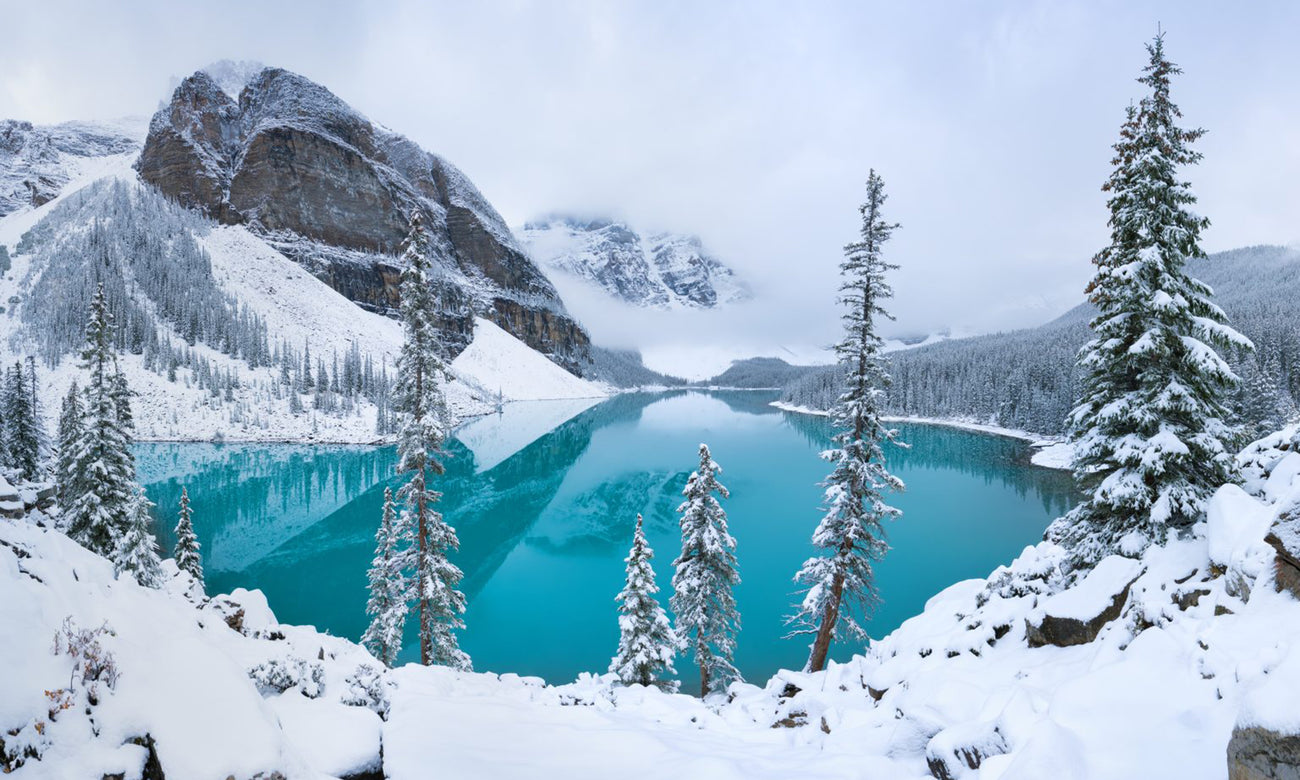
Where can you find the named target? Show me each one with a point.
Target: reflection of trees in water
(237, 488)
(994, 459)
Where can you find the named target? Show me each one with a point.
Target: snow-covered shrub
(280, 674)
(1037, 572)
(367, 687)
(92, 664)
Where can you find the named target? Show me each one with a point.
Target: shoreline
(1048, 451)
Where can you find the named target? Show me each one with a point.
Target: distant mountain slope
(36, 162)
(659, 270)
(1027, 379)
(323, 185)
(760, 372)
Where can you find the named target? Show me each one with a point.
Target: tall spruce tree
(647, 643)
(22, 437)
(186, 553)
(851, 535)
(99, 506)
(1152, 431)
(43, 444)
(67, 480)
(422, 430)
(703, 602)
(388, 588)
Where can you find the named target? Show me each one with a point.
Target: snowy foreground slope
(296, 308)
(1141, 669)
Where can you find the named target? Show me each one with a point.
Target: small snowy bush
(367, 687)
(279, 675)
(91, 663)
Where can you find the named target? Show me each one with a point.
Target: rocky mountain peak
(321, 183)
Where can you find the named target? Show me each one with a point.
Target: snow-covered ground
(1049, 452)
(1189, 641)
(498, 365)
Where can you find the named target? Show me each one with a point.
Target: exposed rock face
(1256, 753)
(322, 184)
(1284, 538)
(36, 162)
(661, 270)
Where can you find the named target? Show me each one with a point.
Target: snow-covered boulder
(1075, 616)
(1265, 744)
(1257, 753)
(956, 752)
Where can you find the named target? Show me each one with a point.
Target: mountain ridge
(659, 270)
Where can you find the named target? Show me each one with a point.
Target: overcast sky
(754, 124)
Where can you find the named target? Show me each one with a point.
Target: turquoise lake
(545, 496)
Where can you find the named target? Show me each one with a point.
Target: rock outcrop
(1257, 753)
(1076, 616)
(333, 191)
(1284, 538)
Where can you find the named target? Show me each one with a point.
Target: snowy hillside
(1179, 664)
(659, 270)
(38, 162)
(220, 391)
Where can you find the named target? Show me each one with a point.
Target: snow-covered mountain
(248, 246)
(308, 174)
(659, 270)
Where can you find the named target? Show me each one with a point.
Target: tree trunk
(830, 616)
(422, 551)
(701, 656)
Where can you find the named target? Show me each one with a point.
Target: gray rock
(1284, 538)
(958, 751)
(1105, 590)
(1256, 753)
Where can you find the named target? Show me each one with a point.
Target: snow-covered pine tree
(188, 558)
(67, 480)
(22, 438)
(851, 535)
(422, 411)
(136, 552)
(388, 588)
(100, 503)
(646, 644)
(1152, 430)
(703, 604)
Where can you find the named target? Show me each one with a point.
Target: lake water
(545, 496)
